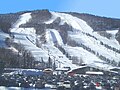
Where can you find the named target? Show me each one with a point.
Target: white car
(51, 86)
(66, 84)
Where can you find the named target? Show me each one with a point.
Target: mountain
(42, 38)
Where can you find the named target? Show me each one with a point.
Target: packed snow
(113, 33)
(53, 37)
(86, 57)
(82, 26)
(80, 35)
(22, 20)
(27, 37)
(95, 45)
(60, 59)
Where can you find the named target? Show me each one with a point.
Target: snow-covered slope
(53, 37)
(3, 36)
(27, 37)
(60, 59)
(83, 34)
(92, 48)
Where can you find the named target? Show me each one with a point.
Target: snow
(9, 88)
(61, 69)
(80, 34)
(13, 49)
(73, 21)
(81, 54)
(27, 72)
(97, 73)
(27, 37)
(110, 42)
(82, 28)
(3, 36)
(23, 19)
(112, 31)
(95, 45)
(87, 57)
(60, 59)
(20, 88)
(53, 37)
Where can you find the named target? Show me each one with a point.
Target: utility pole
(49, 60)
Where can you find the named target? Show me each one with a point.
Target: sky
(107, 8)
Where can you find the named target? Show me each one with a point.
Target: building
(83, 70)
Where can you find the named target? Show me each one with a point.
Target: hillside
(43, 38)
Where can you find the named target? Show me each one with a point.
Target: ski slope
(53, 36)
(27, 37)
(82, 34)
(60, 59)
(82, 26)
(86, 57)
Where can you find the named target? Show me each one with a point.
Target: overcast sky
(108, 8)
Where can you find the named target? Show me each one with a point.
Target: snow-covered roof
(95, 73)
(62, 69)
(28, 72)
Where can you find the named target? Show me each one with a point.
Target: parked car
(66, 84)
